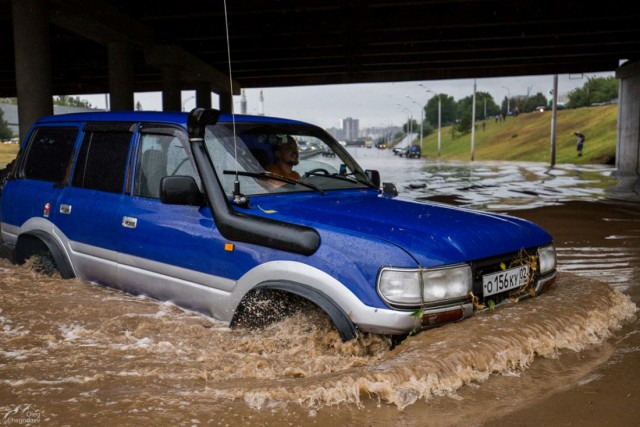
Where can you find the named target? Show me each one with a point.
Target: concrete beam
(226, 102)
(120, 75)
(192, 69)
(628, 144)
(99, 21)
(203, 95)
(32, 46)
(171, 97)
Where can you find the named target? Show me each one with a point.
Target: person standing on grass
(579, 143)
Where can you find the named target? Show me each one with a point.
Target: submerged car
(181, 207)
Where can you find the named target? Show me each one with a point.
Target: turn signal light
(430, 320)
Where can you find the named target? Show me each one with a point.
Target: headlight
(413, 287)
(401, 287)
(547, 259)
(446, 283)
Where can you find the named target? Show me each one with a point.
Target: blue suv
(186, 207)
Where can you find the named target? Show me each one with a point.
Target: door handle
(129, 222)
(65, 209)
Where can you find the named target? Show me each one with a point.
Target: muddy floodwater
(75, 353)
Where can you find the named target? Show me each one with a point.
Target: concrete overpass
(120, 47)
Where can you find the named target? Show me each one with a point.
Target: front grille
(493, 265)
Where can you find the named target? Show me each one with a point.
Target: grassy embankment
(527, 138)
(523, 138)
(8, 152)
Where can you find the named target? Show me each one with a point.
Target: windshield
(276, 158)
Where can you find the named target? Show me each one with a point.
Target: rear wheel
(43, 263)
(36, 254)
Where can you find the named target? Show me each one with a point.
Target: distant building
(261, 104)
(243, 103)
(351, 128)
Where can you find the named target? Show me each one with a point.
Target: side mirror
(374, 177)
(180, 190)
(389, 189)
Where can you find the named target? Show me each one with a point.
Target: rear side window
(102, 161)
(49, 154)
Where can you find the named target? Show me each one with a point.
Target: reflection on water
(489, 185)
(83, 354)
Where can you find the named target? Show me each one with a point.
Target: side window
(49, 154)
(160, 156)
(102, 161)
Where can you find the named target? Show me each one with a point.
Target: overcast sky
(373, 104)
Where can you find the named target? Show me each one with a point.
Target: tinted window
(102, 161)
(49, 154)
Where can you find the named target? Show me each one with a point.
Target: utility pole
(421, 117)
(554, 111)
(473, 121)
(508, 98)
(439, 124)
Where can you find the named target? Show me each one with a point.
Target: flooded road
(74, 353)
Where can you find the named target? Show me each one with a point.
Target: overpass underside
(125, 37)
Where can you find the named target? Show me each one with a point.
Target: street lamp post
(403, 108)
(421, 116)
(508, 98)
(439, 115)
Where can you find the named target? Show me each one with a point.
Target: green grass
(528, 138)
(523, 138)
(8, 152)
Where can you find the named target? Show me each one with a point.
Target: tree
(464, 123)
(71, 101)
(507, 106)
(448, 107)
(464, 107)
(482, 99)
(530, 103)
(138, 106)
(596, 90)
(411, 126)
(5, 132)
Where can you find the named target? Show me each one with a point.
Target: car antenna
(238, 197)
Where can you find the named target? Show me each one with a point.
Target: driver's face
(288, 153)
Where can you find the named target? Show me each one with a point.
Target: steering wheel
(317, 171)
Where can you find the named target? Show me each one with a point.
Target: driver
(286, 157)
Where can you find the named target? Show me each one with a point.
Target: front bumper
(397, 322)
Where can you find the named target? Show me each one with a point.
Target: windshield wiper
(269, 175)
(344, 178)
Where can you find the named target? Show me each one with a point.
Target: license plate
(505, 280)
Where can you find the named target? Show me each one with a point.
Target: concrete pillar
(32, 47)
(203, 95)
(226, 102)
(120, 76)
(171, 96)
(628, 144)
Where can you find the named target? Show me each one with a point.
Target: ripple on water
(82, 337)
